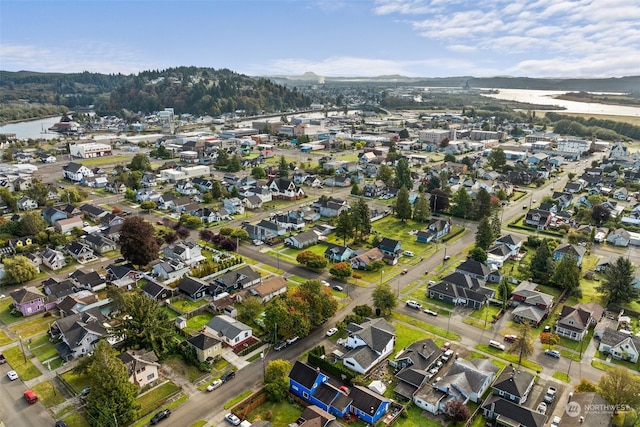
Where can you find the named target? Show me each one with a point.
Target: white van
(496, 344)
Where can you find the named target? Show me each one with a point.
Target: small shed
(377, 386)
(181, 322)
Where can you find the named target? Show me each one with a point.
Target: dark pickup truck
(2, 359)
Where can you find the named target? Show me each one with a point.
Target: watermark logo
(573, 409)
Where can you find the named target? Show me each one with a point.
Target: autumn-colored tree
(138, 242)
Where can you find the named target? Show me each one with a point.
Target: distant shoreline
(32, 119)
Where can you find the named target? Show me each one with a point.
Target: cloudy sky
(417, 38)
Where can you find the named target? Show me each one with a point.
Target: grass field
(405, 335)
(5, 316)
(562, 377)
(104, 160)
(426, 326)
(279, 414)
(4, 338)
(32, 326)
(76, 381)
(48, 394)
(513, 358)
(25, 369)
(155, 397)
(197, 322)
(187, 305)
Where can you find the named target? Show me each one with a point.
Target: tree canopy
(138, 242)
(617, 285)
(403, 205)
(523, 345)
(384, 298)
(403, 174)
(18, 269)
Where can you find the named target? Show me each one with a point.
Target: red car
(159, 222)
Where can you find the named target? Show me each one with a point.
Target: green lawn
(44, 351)
(48, 394)
(197, 322)
(279, 414)
(5, 316)
(171, 313)
(626, 364)
(562, 377)
(77, 382)
(155, 397)
(32, 326)
(25, 369)
(104, 160)
(4, 338)
(74, 419)
(416, 418)
(187, 305)
(426, 326)
(393, 228)
(405, 335)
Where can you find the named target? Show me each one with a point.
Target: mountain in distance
(610, 84)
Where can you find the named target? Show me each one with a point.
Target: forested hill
(186, 89)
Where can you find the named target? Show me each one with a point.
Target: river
(32, 129)
(546, 97)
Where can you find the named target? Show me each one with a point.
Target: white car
(258, 242)
(214, 385)
(332, 331)
(325, 283)
(414, 304)
(12, 375)
(232, 419)
(431, 312)
(555, 422)
(542, 408)
(408, 253)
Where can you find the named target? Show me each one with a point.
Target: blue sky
(417, 38)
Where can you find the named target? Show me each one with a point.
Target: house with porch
(99, 243)
(207, 348)
(513, 384)
(530, 304)
(302, 240)
(369, 343)
(169, 270)
(228, 330)
(53, 259)
(80, 251)
(76, 172)
(620, 344)
(563, 249)
(79, 333)
(282, 188)
(391, 249)
(337, 253)
(192, 288)
(269, 288)
(538, 218)
(142, 366)
(412, 365)
(234, 280)
(438, 227)
(574, 322)
(188, 252)
(361, 261)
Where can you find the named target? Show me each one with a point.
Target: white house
(369, 343)
(228, 330)
(76, 172)
(79, 333)
(620, 345)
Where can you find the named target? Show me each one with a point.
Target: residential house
(538, 218)
(28, 300)
(620, 344)
(369, 342)
(474, 269)
(289, 221)
(228, 330)
(80, 251)
(282, 188)
(438, 227)
(110, 219)
(264, 230)
(188, 251)
(122, 275)
(142, 366)
(169, 270)
(563, 249)
(206, 215)
(186, 187)
(391, 248)
(53, 259)
(233, 205)
(252, 202)
(302, 240)
(269, 288)
(149, 179)
(192, 288)
(99, 243)
(514, 385)
(619, 237)
(207, 348)
(76, 172)
(337, 253)
(92, 280)
(144, 195)
(330, 207)
(51, 215)
(116, 187)
(21, 242)
(338, 181)
(360, 262)
(66, 226)
(574, 322)
(368, 405)
(530, 304)
(52, 193)
(513, 243)
(92, 212)
(79, 333)
(460, 289)
(497, 255)
(234, 280)
(374, 189)
(412, 367)
(57, 291)
(156, 291)
(503, 412)
(26, 203)
(80, 301)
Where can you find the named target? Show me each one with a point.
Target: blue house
(566, 248)
(390, 247)
(311, 385)
(52, 215)
(337, 253)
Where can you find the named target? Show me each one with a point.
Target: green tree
(439, 201)
(341, 270)
(617, 285)
(344, 226)
(403, 174)
(478, 254)
(383, 298)
(138, 242)
(385, 174)
(18, 270)
(140, 162)
(235, 165)
(222, 158)
(38, 191)
(449, 158)
(134, 180)
(73, 195)
(145, 324)
(312, 260)
(585, 386)
(216, 189)
(504, 293)
(496, 225)
(319, 303)
(434, 183)
(148, 205)
(283, 167)
(9, 198)
(403, 205)
(360, 218)
(482, 204)
(421, 212)
(355, 189)
(249, 310)
(284, 321)
(276, 379)
(523, 345)
(497, 159)
(619, 386)
(484, 235)
(112, 395)
(31, 223)
(239, 233)
(258, 172)
(462, 203)
(542, 263)
(566, 274)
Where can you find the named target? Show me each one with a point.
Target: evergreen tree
(421, 210)
(403, 205)
(403, 174)
(355, 189)
(482, 204)
(433, 183)
(523, 346)
(484, 235)
(542, 264)
(504, 292)
(566, 274)
(617, 285)
(222, 158)
(439, 201)
(461, 203)
(497, 159)
(496, 226)
(344, 226)
(361, 218)
(383, 298)
(234, 164)
(283, 167)
(385, 174)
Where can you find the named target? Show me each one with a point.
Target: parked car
(280, 346)
(85, 391)
(447, 258)
(231, 418)
(542, 408)
(160, 416)
(552, 353)
(2, 359)
(408, 253)
(405, 271)
(214, 385)
(258, 242)
(550, 395)
(555, 422)
(292, 339)
(414, 304)
(338, 288)
(160, 222)
(325, 283)
(30, 396)
(547, 329)
(60, 423)
(496, 344)
(431, 312)
(445, 347)
(510, 338)
(332, 331)
(228, 376)
(12, 375)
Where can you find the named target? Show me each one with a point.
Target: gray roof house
(368, 343)
(513, 384)
(228, 330)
